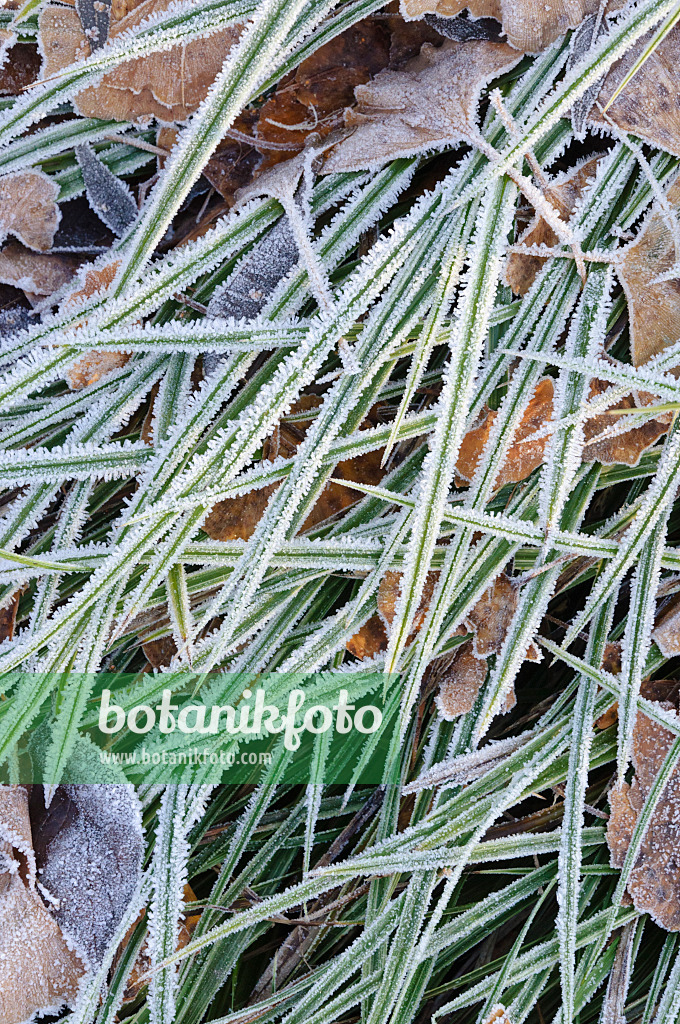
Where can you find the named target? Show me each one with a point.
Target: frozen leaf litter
(342, 339)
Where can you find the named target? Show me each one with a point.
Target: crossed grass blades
(405, 403)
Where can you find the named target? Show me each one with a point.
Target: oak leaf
(626, 446)
(28, 208)
(167, 85)
(431, 103)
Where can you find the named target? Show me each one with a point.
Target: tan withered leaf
(490, 618)
(36, 273)
(430, 103)
(388, 595)
(28, 208)
(94, 365)
(648, 106)
(666, 632)
(626, 447)
(530, 25)
(564, 192)
(40, 974)
(524, 456)
(654, 884)
(460, 684)
(168, 85)
(653, 309)
(236, 518)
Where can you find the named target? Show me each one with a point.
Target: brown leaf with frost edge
(168, 85)
(654, 883)
(563, 192)
(28, 208)
(653, 308)
(431, 103)
(40, 973)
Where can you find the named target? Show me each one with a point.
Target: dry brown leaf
(370, 640)
(430, 103)
(36, 273)
(22, 68)
(168, 85)
(388, 595)
(40, 974)
(524, 456)
(8, 617)
(490, 618)
(649, 106)
(654, 883)
(159, 653)
(563, 193)
(530, 25)
(459, 687)
(653, 309)
(666, 632)
(313, 97)
(627, 447)
(28, 208)
(94, 365)
(236, 518)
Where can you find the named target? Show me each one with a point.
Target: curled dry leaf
(654, 884)
(236, 518)
(649, 106)
(90, 859)
(529, 25)
(430, 103)
(35, 273)
(28, 208)
(524, 455)
(40, 972)
(168, 85)
(563, 193)
(624, 446)
(653, 308)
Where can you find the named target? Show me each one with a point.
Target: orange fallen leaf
(563, 193)
(167, 85)
(625, 447)
(432, 102)
(370, 640)
(28, 208)
(236, 518)
(524, 455)
(654, 884)
(653, 308)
